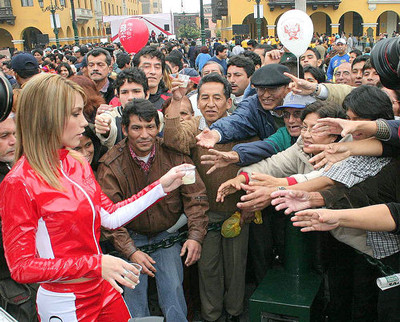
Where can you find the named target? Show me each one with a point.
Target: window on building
(155, 4)
(27, 3)
(5, 3)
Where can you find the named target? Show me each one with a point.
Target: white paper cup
(190, 174)
(185, 79)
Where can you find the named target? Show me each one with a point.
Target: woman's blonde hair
(43, 108)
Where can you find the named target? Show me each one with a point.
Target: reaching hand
(257, 198)
(328, 125)
(273, 57)
(331, 154)
(300, 86)
(145, 261)
(261, 179)
(207, 138)
(291, 200)
(178, 92)
(229, 187)
(114, 269)
(219, 159)
(173, 178)
(315, 219)
(104, 108)
(193, 249)
(102, 123)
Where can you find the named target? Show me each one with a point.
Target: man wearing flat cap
(253, 116)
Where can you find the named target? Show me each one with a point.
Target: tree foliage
(187, 31)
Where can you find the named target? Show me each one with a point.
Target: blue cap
(296, 101)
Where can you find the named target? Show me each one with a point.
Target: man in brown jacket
(127, 168)
(222, 265)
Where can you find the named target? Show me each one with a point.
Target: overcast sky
(176, 5)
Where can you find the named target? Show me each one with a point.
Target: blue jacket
(256, 151)
(201, 60)
(248, 120)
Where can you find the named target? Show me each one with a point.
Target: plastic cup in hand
(190, 174)
(126, 276)
(185, 79)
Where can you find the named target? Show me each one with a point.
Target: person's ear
(228, 103)
(124, 130)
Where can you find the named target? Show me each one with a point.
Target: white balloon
(295, 31)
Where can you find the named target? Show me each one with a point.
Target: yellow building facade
(21, 21)
(357, 17)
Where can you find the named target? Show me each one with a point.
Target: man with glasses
(339, 58)
(253, 115)
(343, 74)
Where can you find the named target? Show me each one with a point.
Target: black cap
(270, 76)
(24, 61)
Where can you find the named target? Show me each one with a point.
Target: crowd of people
(93, 154)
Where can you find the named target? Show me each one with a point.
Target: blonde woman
(52, 207)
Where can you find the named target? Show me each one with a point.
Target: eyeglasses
(304, 128)
(270, 90)
(295, 114)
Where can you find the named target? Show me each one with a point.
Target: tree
(187, 31)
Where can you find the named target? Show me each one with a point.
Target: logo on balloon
(133, 34)
(292, 31)
(295, 30)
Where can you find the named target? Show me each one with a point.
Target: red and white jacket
(51, 235)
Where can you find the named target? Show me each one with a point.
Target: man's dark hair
(60, 56)
(4, 56)
(123, 59)
(174, 60)
(143, 108)
(356, 51)
(243, 62)
(324, 109)
(359, 102)
(83, 50)
(266, 48)
(237, 42)
(52, 57)
(316, 52)
(216, 78)
(359, 59)
(317, 73)
(37, 50)
(292, 65)
(253, 43)
(176, 53)
(96, 52)
(255, 58)
(71, 58)
(151, 52)
(219, 49)
(367, 65)
(132, 75)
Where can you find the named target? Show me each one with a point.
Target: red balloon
(133, 34)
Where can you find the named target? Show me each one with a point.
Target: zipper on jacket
(90, 202)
